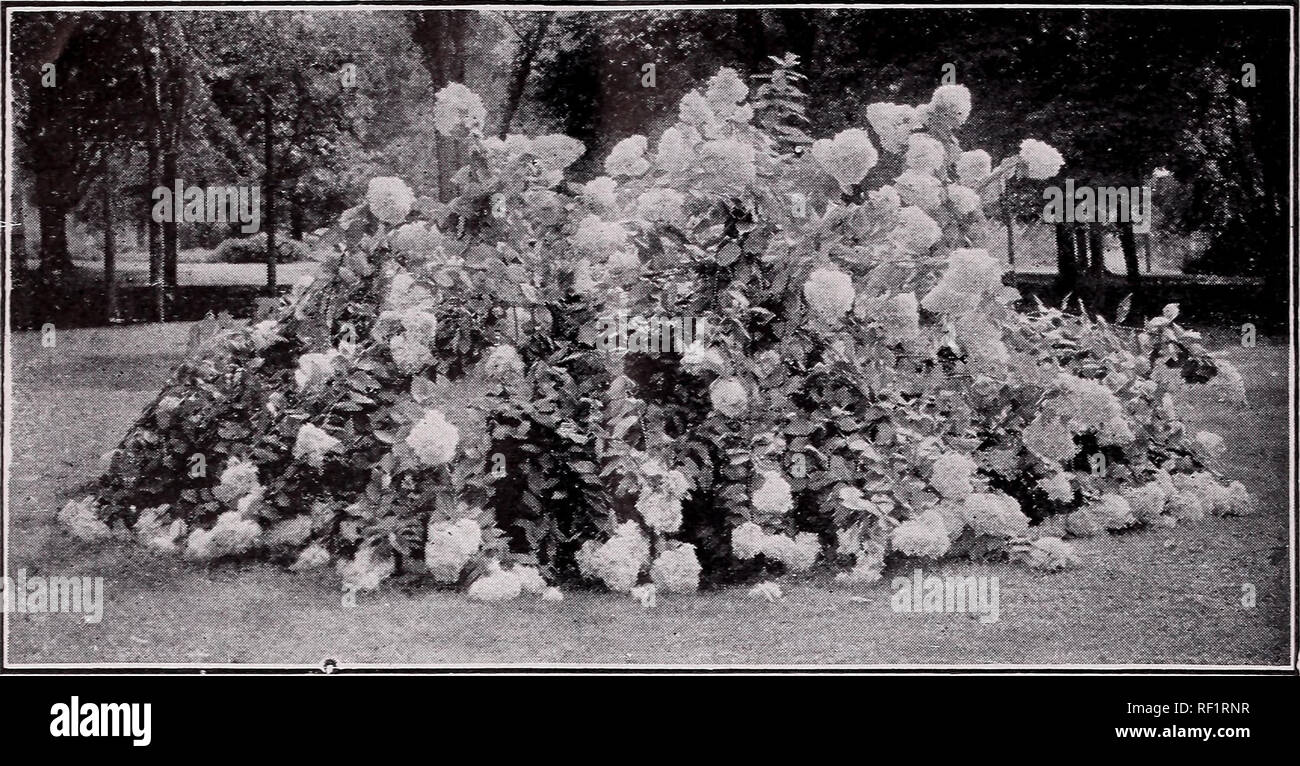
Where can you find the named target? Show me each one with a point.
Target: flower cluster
(660, 499)
(458, 111)
(925, 536)
(232, 535)
(996, 514)
(619, 561)
(951, 476)
(829, 293)
(972, 274)
(449, 547)
(773, 499)
(433, 439)
(80, 518)
(847, 157)
(390, 199)
(677, 569)
(312, 444)
(627, 159)
(1039, 160)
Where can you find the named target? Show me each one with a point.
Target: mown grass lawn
(1148, 597)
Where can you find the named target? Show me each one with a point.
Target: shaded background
(1130, 97)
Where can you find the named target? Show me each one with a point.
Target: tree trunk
(1128, 243)
(110, 254)
(1097, 247)
(269, 192)
(1067, 274)
(53, 207)
(155, 238)
(170, 246)
(296, 222)
(1011, 237)
(519, 78)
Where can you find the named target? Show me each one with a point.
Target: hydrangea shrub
(859, 386)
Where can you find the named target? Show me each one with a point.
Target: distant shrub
(253, 250)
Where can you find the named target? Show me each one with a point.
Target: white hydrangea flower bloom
(240, 477)
(458, 111)
(1240, 500)
(724, 91)
(601, 193)
(884, 201)
(951, 476)
(1057, 485)
(748, 540)
(994, 514)
(531, 582)
(390, 199)
(797, 554)
(829, 292)
(924, 154)
(952, 101)
(847, 157)
(677, 570)
(694, 110)
(1040, 160)
(418, 238)
(315, 368)
(1147, 501)
(1185, 506)
(923, 190)
(410, 355)
(264, 334)
(892, 123)
(925, 536)
(1048, 438)
(964, 199)
(1113, 512)
(314, 556)
(900, 319)
(312, 444)
(661, 511)
(232, 535)
(556, 151)
(502, 362)
(673, 154)
(916, 232)
(620, 560)
(728, 396)
(773, 499)
(434, 439)
(497, 585)
(698, 356)
(661, 205)
(80, 518)
(727, 164)
(973, 167)
(628, 158)
(597, 239)
(449, 546)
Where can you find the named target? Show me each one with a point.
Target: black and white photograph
(739, 337)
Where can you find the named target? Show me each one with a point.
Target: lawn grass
(1147, 597)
